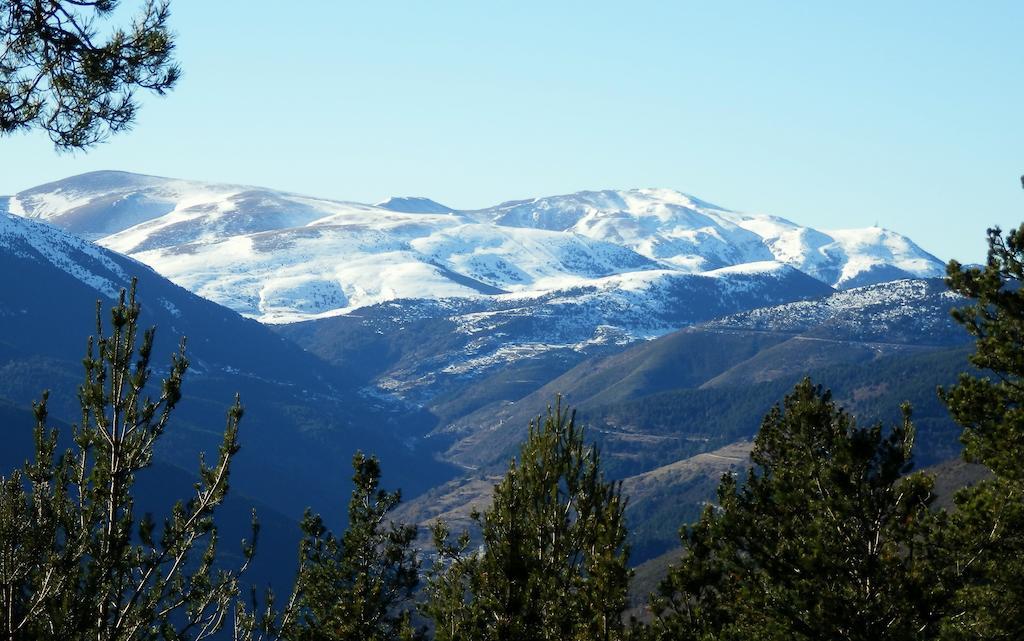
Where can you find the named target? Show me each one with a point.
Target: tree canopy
(65, 71)
(984, 538)
(819, 542)
(552, 563)
(76, 560)
(359, 586)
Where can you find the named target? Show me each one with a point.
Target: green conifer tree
(819, 543)
(358, 587)
(62, 73)
(553, 559)
(984, 538)
(76, 561)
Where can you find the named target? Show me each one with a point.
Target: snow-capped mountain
(692, 234)
(282, 257)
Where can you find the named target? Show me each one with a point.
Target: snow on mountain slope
(420, 349)
(337, 265)
(95, 268)
(695, 235)
(661, 224)
(917, 310)
(845, 258)
(616, 309)
(282, 257)
(97, 204)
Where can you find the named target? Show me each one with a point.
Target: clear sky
(905, 114)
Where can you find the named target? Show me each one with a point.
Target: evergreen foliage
(553, 560)
(358, 587)
(984, 538)
(61, 73)
(76, 561)
(820, 543)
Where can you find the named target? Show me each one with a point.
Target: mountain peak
(100, 180)
(414, 205)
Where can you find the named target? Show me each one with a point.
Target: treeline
(828, 536)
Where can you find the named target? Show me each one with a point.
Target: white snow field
(281, 257)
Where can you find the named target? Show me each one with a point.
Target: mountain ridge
(283, 257)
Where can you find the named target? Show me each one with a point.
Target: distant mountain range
(431, 336)
(282, 257)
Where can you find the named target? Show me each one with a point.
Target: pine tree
(819, 543)
(76, 561)
(358, 587)
(553, 559)
(984, 537)
(59, 75)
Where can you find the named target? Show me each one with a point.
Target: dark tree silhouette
(65, 71)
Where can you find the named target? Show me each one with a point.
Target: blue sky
(904, 114)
